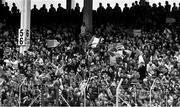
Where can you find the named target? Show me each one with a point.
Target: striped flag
(52, 43)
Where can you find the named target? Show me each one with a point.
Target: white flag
(94, 42)
(52, 43)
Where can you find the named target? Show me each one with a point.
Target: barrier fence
(59, 96)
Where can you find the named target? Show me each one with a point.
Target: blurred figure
(34, 15)
(126, 13)
(52, 10)
(167, 7)
(43, 13)
(108, 13)
(117, 13)
(34, 11)
(77, 8)
(14, 9)
(101, 14)
(60, 13)
(174, 9)
(52, 14)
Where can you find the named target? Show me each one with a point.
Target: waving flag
(94, 41)
(170, 20)
(52, 43)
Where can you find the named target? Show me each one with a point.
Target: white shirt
(83, 29)
(150, 68)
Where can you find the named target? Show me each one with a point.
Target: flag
(52, 43)
(170, 20)
(119, 46)
(94, 42)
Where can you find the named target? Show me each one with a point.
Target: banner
(115, 46)
(170, 20)
(52, 43)
(137, 32)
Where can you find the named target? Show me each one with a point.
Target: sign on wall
(21, 38)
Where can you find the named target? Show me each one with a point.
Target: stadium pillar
(87, 14)
(24, 32)
(70, 4)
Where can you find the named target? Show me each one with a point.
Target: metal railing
(20, 91)
(34, 100)
(117, 92)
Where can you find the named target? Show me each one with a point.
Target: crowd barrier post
(166, 99)
(117, 92)
(63, 98)
(0, 97)
(34, 100)
(20, 91)
(42, 95)
(151, 88)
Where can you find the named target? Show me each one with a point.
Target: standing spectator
(167, 7)
(174, 10)
(60, 13)
(6, 11)
(43, 13)
(77, 8)
(101, 14)
(52, 14)
(126, 13)
(117, 13)
(35, 15)
(108, 13)
(14, 9)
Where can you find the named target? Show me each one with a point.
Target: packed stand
(139, 14)
(78, 71)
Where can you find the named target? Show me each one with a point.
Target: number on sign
(21, 32)
(21, 37)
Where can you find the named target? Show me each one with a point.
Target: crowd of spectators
(76, 72)
(137, 15)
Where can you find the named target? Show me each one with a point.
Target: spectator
(52, 14)
(60, 13)
(167, 7)
(101, 13)
(14, 9)
(117, 13)
(77, 8)
(35, 15)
